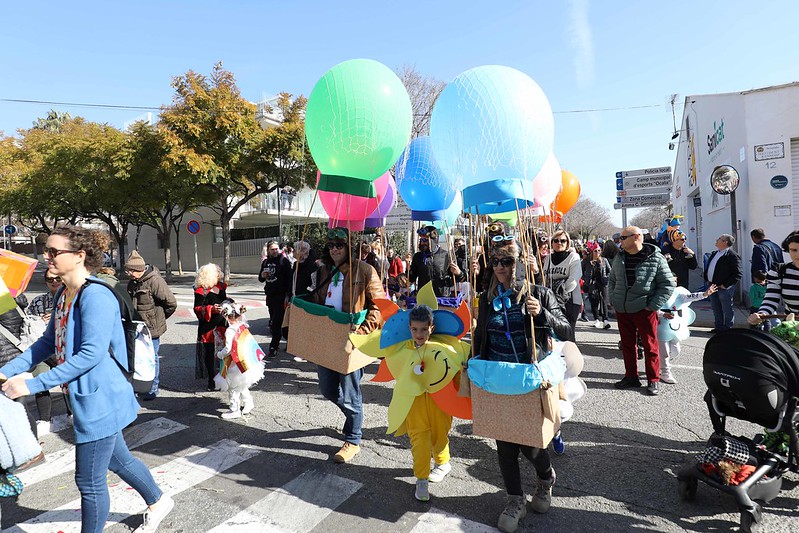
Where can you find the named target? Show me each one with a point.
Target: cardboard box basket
(515, 418)
(323, 341)
(16, 271)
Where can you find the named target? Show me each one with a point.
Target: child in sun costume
(422, 350)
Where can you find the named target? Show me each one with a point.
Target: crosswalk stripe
(298, 506)
(173, 477)
(63, 461)
(438, 521)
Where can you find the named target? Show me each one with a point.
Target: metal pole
(623, 217)
(196, 259)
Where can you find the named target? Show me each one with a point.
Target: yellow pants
(428, 428)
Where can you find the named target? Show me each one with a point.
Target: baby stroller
(752, 376)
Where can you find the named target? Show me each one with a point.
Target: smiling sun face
(428, 369)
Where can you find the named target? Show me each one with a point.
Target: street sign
(10, 229)
(643, 201)
(643, 172)
(636, 193)
(644, 182)
(193, 227)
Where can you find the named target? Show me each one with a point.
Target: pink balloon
(349, 211)
(546, 185)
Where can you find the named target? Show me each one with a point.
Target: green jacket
(653, 285)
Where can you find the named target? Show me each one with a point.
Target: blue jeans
(344, 390)
(156, 345)
(93, 460)
(721, 302)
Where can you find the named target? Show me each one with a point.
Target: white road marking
(688, 367)
(63, 461)
(437, 521)
(173, 477)
(298, 506)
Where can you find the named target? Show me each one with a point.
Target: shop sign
(769, 151)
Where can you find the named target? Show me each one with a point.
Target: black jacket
(12, 321)
(304, 279)
(679, 264)
(275, 274)
(426, 267)
(551, 320)
(728, 270)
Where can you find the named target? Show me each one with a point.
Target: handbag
(18, 445)
(10, 485)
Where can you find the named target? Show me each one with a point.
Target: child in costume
(426, 366)
(673, 322)
(242, 361)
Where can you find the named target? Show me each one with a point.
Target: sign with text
(643, 201)
(643, 172)
(643, 182)
(643, 192)
(769, 151)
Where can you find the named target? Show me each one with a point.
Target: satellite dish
(724, 179)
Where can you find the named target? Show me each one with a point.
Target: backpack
(140, 356)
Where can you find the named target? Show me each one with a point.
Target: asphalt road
(272, 471)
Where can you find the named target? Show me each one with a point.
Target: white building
(756, 132)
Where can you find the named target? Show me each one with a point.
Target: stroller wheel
(687, 489)
(750, 520)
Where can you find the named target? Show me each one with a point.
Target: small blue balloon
(420, 181)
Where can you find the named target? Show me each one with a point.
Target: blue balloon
(421, 183)
(492, 123)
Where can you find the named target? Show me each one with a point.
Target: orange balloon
(569, 192)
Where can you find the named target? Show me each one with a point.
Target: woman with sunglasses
(349, 285)
(84, 331)
(504, 333)
(562, 271)
(681, 259)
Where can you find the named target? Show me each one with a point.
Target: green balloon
(357, 122)
(511, 217)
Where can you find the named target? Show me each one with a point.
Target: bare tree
(423, 91)
(586, 219)
(651, 218)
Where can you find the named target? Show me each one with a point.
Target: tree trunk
(177, 249)
(165, 232)
(224, 219)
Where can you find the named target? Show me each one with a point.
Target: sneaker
(299, 359)
(248, 407)
(607, 325)
(272, 351)
(439, 472)
(231, 414)
(347, 452)
(583, 318)
(154, 517)
(42, 428)
(558, 446)
(652, 388)
(667, 377)
(628, 383)
(542, 498)
(422, 493)
(598, 324)
(515, 510)
(150, 396)
(640, 353)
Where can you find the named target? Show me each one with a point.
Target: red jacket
(396, 267)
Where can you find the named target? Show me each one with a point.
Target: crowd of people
(525, 289)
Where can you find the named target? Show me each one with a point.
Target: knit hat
(135, 262)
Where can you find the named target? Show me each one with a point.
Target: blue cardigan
(101, 397)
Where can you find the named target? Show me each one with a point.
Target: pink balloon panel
(546, 185)
(348, 211)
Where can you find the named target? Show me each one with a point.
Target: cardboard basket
(516, 418)
(16, 271)
(323, 341)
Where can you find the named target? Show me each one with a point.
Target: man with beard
(433, 264)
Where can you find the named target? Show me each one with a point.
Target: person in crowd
(395, 268)
(596, 271)
(85, 321)
(765, 253)
(275, 274)
(288, 253)
(496, 233)
(242, 361)
(543, 244)
(617, 240)
(680, 258)
(640, 283)
(757, 292)
(562, 272)
(209, 293)
(433, 264)
(351, 286)
(610, 251)
(378, 261)
(504, 332)
(406, 262)
(303, 277)
(723, 271)
(42, 307)
(782, 283)
(153, 303)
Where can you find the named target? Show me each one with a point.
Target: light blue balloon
(492, 123)
(450, 215)
(420, 181)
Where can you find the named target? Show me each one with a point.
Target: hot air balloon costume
(427, 377)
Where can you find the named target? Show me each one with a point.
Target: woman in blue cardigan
(84, 324)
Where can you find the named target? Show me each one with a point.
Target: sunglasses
(52, 253)
(505, 261)
(495, 227)
(53, 280)
(423, 239)
(559, 241)
(337, 233)
(336, 245)
(624, 237)
(501, 238)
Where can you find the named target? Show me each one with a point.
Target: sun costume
(427, 378)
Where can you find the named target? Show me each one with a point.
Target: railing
(243, 248)
(294, 204)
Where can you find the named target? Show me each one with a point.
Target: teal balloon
(451, 214)
(357, 122)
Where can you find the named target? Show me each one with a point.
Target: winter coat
(12, 321)
(275, 274)
(365, 284)
(434, 267)
(595, 275)
(304, 278)
(210, 320)
(679, 264)
(152, 300)
(653, 285)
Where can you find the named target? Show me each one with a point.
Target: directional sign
(644, 201)
(645, 182)
(643, 172)
(193, 227)
(637, 193)
(10, 229)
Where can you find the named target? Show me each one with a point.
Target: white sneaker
(299, 359)
(231, 414)
(154, 517)
(248, 407)
(607, 324)
(422, 493)
(514, 511)
(439, 472)
(42, 428)
(598, 324)
(667, 377)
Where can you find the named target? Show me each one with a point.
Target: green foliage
(788, 332)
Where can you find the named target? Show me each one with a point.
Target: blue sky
(585, 55)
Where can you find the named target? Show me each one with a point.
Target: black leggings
(209, 358)
(599, 304)
(508, 454)
(44, 403)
